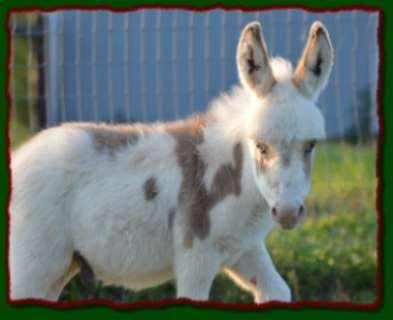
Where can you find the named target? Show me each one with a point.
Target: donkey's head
(284, 124)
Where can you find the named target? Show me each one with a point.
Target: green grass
(18, 134)
(343, 179)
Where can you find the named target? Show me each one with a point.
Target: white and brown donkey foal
(137, 205)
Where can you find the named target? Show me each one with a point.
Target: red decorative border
(164, 302)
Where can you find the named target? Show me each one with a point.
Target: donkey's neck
(224, 136)
(228, 115)
(228, 173)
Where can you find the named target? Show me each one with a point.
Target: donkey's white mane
(282, 69)
(233, 119)
(228, 112)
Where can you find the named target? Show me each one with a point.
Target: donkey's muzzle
(288, 216)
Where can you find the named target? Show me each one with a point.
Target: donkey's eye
(309, 147)
(263, 148)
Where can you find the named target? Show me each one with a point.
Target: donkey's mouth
(287, 225)
(288, 217)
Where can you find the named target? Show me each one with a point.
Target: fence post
(39, 119)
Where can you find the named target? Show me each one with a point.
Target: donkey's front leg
(196, 268)
(255, 271)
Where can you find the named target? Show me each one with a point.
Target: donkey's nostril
(274, 212)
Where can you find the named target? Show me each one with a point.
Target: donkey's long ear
(253, 61)
(313, 69)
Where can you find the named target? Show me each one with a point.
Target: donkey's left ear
(313, 69)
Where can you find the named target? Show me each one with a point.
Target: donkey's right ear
(253, 61)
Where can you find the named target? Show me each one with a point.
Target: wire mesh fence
(150, 65)
(160, 65)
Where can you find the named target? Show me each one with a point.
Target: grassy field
(330, 257)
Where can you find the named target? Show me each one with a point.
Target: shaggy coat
(137, 205)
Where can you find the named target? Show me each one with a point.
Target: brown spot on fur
(86, 272)
(193, 194)
(195, 201)
(253, 280)
(150, 188)
(189, 130)
(111, 138)
(227, 178)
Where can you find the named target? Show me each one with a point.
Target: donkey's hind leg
(42, 280)
(40, 262)
(57, 287)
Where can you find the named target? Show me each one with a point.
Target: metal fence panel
(156, 64)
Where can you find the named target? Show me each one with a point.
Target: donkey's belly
(139, 281)
(137, 256)
(125, 242)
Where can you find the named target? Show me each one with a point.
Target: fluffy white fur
(67, 198)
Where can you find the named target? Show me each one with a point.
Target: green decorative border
(184, 310)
